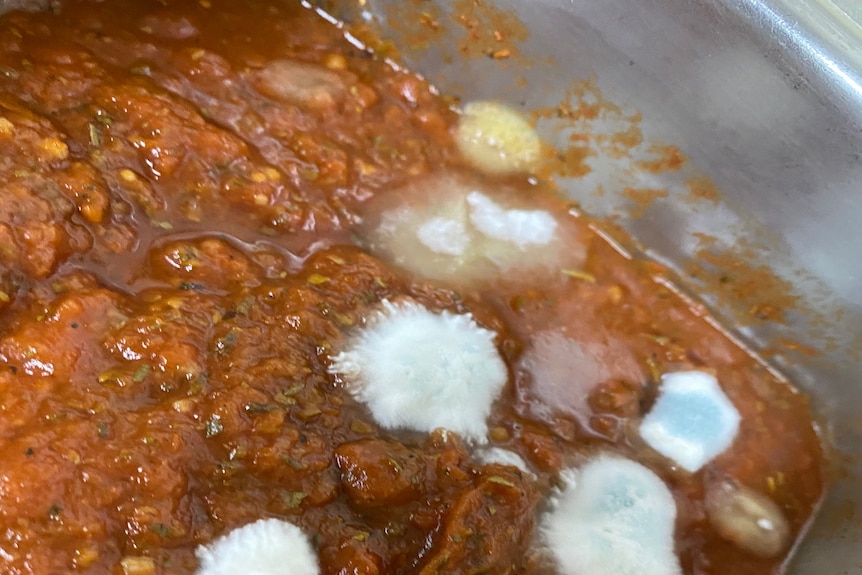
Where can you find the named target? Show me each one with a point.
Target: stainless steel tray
(765, 98)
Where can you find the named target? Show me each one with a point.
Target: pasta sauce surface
(250, 271)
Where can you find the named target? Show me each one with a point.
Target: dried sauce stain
(703, 188)
(663, 158)
(482, 30)
(490, 31)
(584, 101)
(785, 344)
(419, 26)
(643, 199)
(759, 293)
(588, 127)
(574, 125)
(569, 162)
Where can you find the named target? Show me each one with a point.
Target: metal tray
(765, 98)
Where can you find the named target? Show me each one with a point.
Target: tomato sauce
(183, 249)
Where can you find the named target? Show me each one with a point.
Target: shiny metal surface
(765, 98)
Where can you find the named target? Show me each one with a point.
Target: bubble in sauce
(692, 420)
(612, 516)
(420, 370)
(265, 547)
(564, 372)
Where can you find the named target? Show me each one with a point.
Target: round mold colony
(420, 370)
(265, 547)
(612, 515)
(692, 420)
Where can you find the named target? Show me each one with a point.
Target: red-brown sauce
(181, 253)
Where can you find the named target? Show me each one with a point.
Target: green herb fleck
(260, 408)
(103, 118)
(140, 71)
(285, 397)
(294, 463)
(245, 305)
(292, 499)
(190, 286)
(95, 135)
(500, 481)
(224, 344)
(102, 429)
(160, 529)
(214, 426)
(141, 373)
(581, 275)
(309, 172)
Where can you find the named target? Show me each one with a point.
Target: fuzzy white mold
(612, 516)
(692, 420)
(444, 236)
(502, 456)
(521, 227)
(265, 547)
(420, 370)
(447, 228)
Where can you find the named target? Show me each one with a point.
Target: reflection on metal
(823, 38)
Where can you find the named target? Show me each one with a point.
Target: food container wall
(764, 99)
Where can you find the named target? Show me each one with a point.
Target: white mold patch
(502, 457)
(520, 227)
(420, 370)
(692, 420)
(612, 516)
(265, 547)
(446, 228)
(444, 236)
